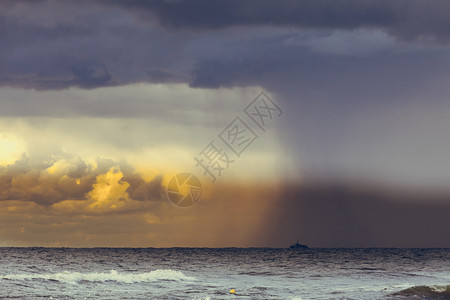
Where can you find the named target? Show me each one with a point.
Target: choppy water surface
(186, 273)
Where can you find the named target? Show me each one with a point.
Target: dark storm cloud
(73, 179)
(88, 44)
(403, 18)
(56, 45)
(90, 75)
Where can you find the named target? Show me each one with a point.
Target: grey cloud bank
(402, 18)
(89, 44)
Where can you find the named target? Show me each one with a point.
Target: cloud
(349, 43)
(53, 45)
(108, 184)
(88, 44)
(165, 105)
(228, 214)
(90, 75)
(321, 214)
(404, 19)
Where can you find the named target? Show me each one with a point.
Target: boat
(298, 246)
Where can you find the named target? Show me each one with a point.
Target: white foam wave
(75, 277)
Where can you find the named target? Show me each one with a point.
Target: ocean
(211, 273)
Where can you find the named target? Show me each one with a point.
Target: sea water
(206, 273)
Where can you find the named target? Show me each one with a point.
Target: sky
(104, 102)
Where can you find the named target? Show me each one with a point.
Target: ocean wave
(76, 277)
(425, 292)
